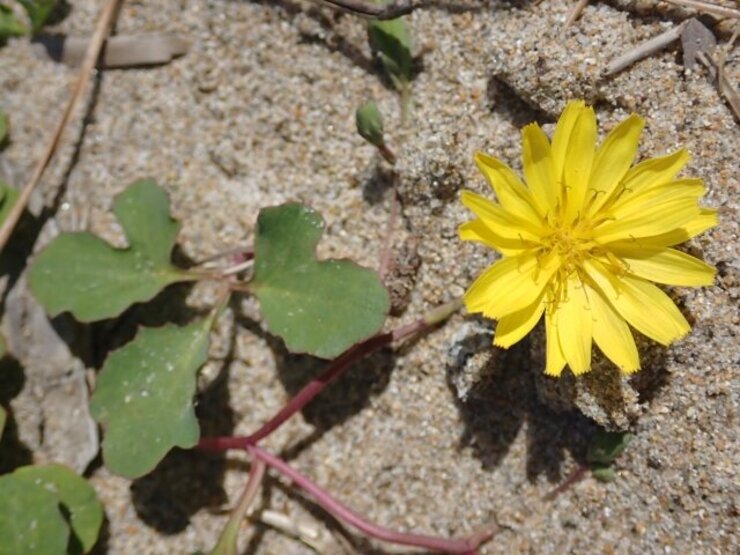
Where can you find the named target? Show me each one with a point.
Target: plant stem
(575, 476)
(227, 541)
(332, 372)
(346, 514)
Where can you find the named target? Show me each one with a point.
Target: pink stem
(346, 514)
(313, 388)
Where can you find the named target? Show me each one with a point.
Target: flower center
(571, 241)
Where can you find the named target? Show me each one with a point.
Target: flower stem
(373, 530)
(332, 372)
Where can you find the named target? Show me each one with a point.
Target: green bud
(370, 123)
(603, 473)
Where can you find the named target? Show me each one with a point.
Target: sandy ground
(444, 435)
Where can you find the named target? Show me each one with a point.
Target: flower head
(583, 240)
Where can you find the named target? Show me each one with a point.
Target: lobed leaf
(83, 274)
(30, 518)
(317, 307)
(144, 396)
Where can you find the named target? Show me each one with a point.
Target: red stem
(341, 511)
(313, 388)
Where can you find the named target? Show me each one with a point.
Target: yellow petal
(561, 137)
(575, 326)
(612, 334)
(515, 326)
(510, 191)
(706, 219)
(555, 358)
(642, 304)
(613, 159)
(476, 230)
(538, 168)
(658, 219)
(667, 266)
(579, 158)
(509, 285)
(630, 204)
(654, 172)
(498, 220)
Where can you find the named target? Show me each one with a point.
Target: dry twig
(643, 50)
(707, 7)
(574, 13)
(369, 8)
(91, 57)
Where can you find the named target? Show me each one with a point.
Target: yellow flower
(582, 241)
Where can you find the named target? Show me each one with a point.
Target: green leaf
(370, 123)
(317, 307)
(83, 274)
(392, 42)
(38, 11)
(8, 197)
(30, 519)
(144, 396)
(3, 416)
(9, 24)
(603, 473)
(607, 446)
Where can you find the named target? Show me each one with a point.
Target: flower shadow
(501, 402)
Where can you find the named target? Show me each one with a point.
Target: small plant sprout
(369, 123)
(583, 240)
(391, 41)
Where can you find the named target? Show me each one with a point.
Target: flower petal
(498, 220)
(612, 334)
(642, 304)
(476, 230)
(630, 204)
(654, 221)
(667, 266)
(510, 285)
(579, 158)
(509, 189)
(613, 159)
(555, 358)
(575, 326)
(515, 326)
(561, 137)
(706, 219)
(654, 172)
(538, 168)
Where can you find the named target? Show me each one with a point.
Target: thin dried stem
(91, 57)
(372, 10)
(655, 44)
(574, 14)
(707, 7)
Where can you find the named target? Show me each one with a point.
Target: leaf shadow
(13, 452)
(502, 403)
(340, 400)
